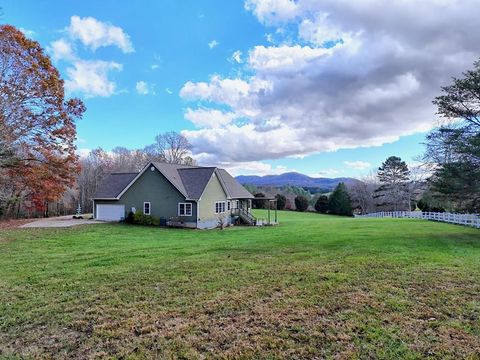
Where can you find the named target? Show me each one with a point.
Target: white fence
(462, 219)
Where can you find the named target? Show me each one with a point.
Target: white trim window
(219, 207)
(228, 205)
(184, 209)
(147, 208)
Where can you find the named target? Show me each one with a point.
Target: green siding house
(180, 195)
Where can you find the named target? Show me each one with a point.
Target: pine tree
(454, 148)
(281, 201)
(339, 202)
(394, 177)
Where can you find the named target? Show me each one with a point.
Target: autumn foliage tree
(37, 122)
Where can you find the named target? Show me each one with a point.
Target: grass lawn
(315, 286)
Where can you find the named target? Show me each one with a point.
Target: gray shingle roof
(234, 188)
(113, 185)
(189, 180)
(195, 180)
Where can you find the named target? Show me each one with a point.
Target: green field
(315, 286)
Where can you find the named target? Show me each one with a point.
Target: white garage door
(110, 212)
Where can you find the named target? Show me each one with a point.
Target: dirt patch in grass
(14, 223)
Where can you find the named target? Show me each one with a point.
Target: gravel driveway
(60, 221)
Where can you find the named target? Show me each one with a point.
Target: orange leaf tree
(37, 122)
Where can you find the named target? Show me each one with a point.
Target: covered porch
(244, 212)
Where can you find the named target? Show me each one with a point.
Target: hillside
(294, 179)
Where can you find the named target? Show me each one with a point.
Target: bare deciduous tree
(173, 147)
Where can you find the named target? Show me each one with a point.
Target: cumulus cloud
(272, 11)
(62, 49)
(94, 34)
(210, 118)
(143, 88)
(90, 77)
(358, 165)
(213, 43)
(345, 75)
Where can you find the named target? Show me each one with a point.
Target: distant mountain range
(294, 179)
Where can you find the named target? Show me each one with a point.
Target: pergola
(272, 206)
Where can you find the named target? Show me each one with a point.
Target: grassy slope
(315, 285)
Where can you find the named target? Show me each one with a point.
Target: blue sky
(258, 86)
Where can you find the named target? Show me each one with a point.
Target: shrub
(322, 204)
(140, 218)
(301, 203)
(129, 219)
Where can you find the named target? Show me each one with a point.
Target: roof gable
(195, 180)
(234, 189)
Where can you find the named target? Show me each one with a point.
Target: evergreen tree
(281, 201)
(394, 178)
(301, 203)
(339, 202)
(454, 148)
(322, 204)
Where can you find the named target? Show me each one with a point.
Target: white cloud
(343, 75)
(154, 66)
(94, 34)
(236, 168)
(62, 49)
(236, 57)
(90, 77)
(230, 91)
(358, 165)
(210, 118)
(143, 88)
(213, 43)
(168, 91)
(254, 168)
(27, 33)
(272, 11)
(284, 58)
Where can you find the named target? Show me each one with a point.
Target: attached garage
(110, 212)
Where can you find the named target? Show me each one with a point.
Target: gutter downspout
(198, 211)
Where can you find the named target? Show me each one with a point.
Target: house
(181, 195)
